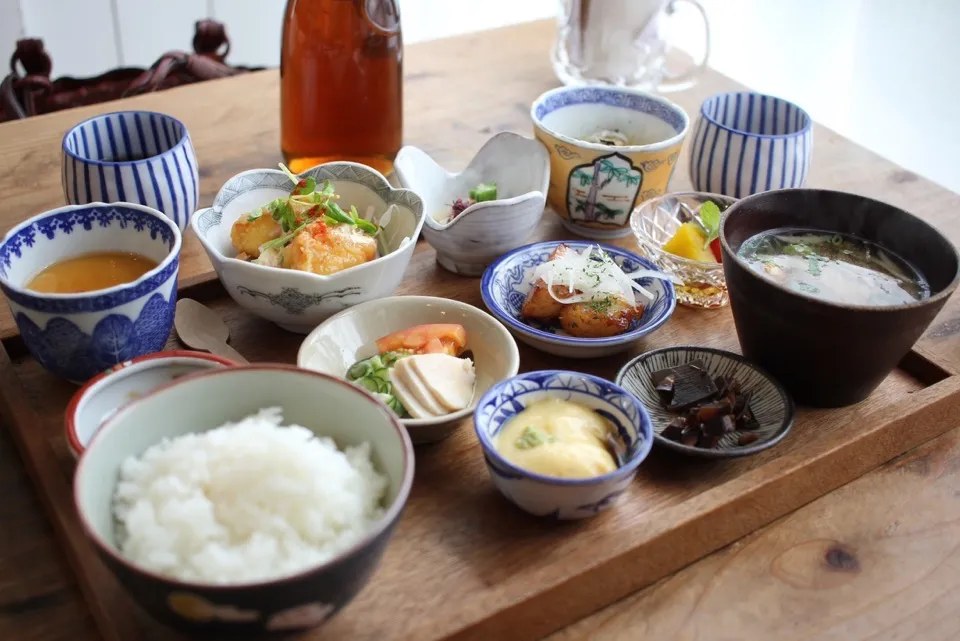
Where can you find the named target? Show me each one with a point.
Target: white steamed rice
(247, 501)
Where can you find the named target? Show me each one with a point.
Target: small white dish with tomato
(428, 359)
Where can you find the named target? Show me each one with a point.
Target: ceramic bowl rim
(514, 351)
(789, 408)
(805, 129)
(389, 518)
(677, 138)
(486, 282)
(218, 258)
(125, 163)
(438, 227)
(915, 220)
(172, 254)
(93, 386)
(644, 430)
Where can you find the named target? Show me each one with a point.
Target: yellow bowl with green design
(595, 185)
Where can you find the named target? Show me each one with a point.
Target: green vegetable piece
(305, 189)
(390, 358)
(397, 407)
(368, 383)
(710, 219)
(358, 370)
(283, 213)
(255, 215)
(366, 226)
(484, 192)
(813, 266)
(531, 438)
(338, 215)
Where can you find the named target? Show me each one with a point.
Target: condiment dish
(107, 392)
(506, 282)
(298, 300)
(284, 606)
(594, 185)
(554, 497)
(831, 354)
(467, 243)
(350, 336)
(767, 399)
(77, 336)
(655, 222)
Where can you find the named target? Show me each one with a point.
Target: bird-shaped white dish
(467, 243)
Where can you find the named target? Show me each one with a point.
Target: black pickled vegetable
(709, 409)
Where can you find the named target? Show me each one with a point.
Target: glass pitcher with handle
(621, 43)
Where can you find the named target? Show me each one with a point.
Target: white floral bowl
(350, 336)
(519, 166)
(556, 497)
(295, 300)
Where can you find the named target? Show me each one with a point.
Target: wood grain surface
(451, 110)
(487, 570)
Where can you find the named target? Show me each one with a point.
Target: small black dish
(769, 401)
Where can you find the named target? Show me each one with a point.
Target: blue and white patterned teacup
(79, 335)
(132, 156)
(556, 497)
(745, 143)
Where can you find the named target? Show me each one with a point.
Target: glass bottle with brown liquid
(341, 83)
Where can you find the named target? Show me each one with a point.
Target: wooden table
(876, 559)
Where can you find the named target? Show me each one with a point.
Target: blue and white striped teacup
(138, 157)
(745, 143)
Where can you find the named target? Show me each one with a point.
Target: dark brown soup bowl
(831, 354)
(276, 607)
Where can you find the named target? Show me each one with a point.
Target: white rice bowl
(245, 502)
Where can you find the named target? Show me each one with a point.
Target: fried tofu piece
(251, 231)
(599, 319)
(324, 249)
(539, 304)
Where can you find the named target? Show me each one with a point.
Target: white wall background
(885, 73)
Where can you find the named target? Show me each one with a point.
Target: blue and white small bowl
(132, 156)
(77, 336)
(506, 283)
(556, 497)
(745, 143)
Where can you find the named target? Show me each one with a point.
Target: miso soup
(837, 268)
(91, 272)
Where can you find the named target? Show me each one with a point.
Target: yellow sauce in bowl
(558, 438)
(91, 272)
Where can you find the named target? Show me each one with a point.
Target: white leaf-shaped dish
(466, 245)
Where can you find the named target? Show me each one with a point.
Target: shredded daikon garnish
(592, 275)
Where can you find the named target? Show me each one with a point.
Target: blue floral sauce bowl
(77, 336)
(554, 497)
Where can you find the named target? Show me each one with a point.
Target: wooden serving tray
(466, 564)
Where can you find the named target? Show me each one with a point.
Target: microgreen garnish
(710, 218)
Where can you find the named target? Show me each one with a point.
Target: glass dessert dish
(656, 221)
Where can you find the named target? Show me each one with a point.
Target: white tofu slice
(450, 379)
(406, 397)
(403, 370)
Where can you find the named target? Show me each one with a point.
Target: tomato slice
(426, 339)
(715, 248)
